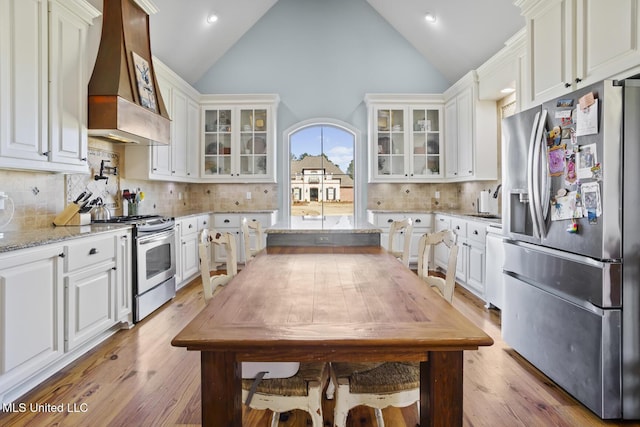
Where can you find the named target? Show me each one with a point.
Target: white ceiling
(466, 33)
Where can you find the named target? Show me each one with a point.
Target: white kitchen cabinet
(58, 301)
(471, 241)
(475, 248)
(238, 138)
(422, 223)
(124, 292)
(574, 43)
(178, 161)
(43, 79)
(405, 138)
(188, 258)
(471, 132)
(31, 314)
(90, 288)
(440, 252)
(231, 223)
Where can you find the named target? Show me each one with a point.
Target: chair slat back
(404, 226)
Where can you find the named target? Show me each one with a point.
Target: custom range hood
(125, 104)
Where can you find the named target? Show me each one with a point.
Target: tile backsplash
(39, 197)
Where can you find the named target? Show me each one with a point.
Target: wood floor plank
(137, 378)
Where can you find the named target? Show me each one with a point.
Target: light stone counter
(14, 240)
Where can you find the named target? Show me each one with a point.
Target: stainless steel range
(153, 261)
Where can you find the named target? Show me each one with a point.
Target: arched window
(320, 188)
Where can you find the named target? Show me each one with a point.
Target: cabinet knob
(475, 232)
(93, 251)
(84, 159)
(114, 268)
(389, 220)
(46, 153)
(578, 79)
(190, 225)
(173, 171)
(61, 255)
(457, 227)
(567, 85)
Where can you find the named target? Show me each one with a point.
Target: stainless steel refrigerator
(571, 222)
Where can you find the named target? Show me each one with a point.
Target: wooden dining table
(344, 304)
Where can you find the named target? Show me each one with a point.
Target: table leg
(441, 389)
(221, 378)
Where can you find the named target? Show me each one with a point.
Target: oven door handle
(145, 240)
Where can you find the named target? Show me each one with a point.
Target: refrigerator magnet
(556, 157)
(591, 199)
(571, 176)
(587, 158)
(573, 227)
(554, 137)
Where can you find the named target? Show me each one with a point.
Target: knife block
(71, 216)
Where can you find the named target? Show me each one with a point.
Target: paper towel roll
(483, 203)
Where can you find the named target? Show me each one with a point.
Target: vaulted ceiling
(466, 32)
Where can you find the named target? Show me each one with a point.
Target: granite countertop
(343, 224)
(463, 214)
(194, 212)
(14, 240)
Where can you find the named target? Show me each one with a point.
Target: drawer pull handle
(226, 221)
(61, 255)
(389, 221)
(190, 225)
(418, 220)
(475, 232)
(93, 251)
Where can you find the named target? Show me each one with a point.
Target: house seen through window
(322, 176)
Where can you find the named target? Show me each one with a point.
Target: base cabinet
(187, 238)
(57, 301)
(422, 223)
(31, 315)
(471, 262)
(231, 223)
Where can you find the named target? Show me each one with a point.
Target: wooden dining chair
(445, 287)
(226, 240)
(379, 385)
(251, 230)
(404, 228)
(275, 386)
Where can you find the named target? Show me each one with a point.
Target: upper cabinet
(43, 81)
(574, 43)
(471, 132)
(238, 138)
(405, 138)
(177, 161)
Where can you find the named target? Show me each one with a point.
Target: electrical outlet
(437, 195)
(248, 195)
(180, 195)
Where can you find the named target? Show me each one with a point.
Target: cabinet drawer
(204, 222)
(421, 220)
(442, 223)
(477, 232)
(459, 226)
(263, 218)
(385, 220)
(228, 221)
(189, 225)
(89, 252)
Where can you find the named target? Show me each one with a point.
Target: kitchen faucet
(495, 193)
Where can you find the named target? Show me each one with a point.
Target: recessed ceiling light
(212, 18)
(507, 90)
(430, 17)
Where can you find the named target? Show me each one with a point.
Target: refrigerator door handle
(531, 173)
(537, 178)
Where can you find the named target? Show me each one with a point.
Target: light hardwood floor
(136, 378)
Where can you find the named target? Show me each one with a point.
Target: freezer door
(584, 281)
(577, 348)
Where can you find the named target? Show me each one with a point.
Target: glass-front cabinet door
(239, 138)
(253, 141)
(406, 142)
(217, 142)
(426, 153)
(391, 136)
